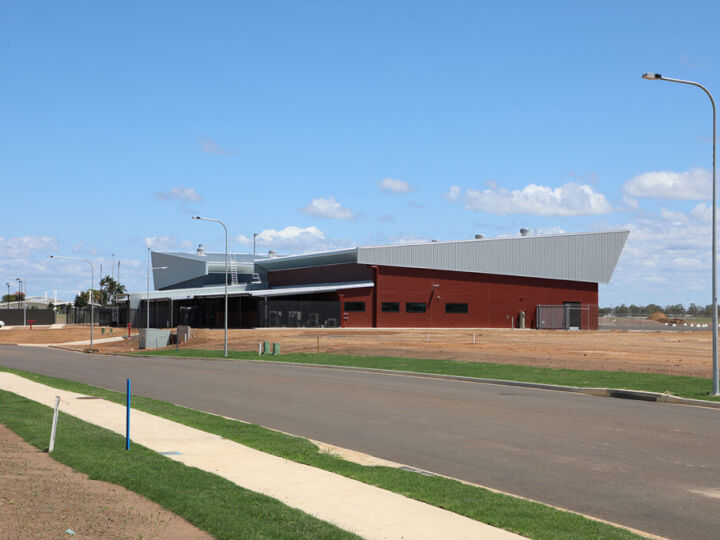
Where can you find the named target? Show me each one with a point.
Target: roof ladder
(233, 271)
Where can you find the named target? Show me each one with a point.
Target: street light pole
(226, 274)
(22, 282)
(658, 77)
(255, 235)
(90, 293)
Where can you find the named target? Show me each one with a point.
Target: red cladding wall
(492, 301)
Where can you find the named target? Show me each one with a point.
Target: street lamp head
(196, 217)
(51, 256)
(652, 76)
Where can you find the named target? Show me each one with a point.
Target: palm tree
(110, 289)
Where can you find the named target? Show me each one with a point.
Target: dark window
(354, 306)
(456, 308)
(391, 307)
(415, 307)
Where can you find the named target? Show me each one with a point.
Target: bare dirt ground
(642, 348)
(41, 498)
(622, 345)
(43, 334)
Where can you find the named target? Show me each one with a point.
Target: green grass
(208, 501)
(524, 517)
(689, 387)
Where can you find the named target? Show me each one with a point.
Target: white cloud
(549, 230)
(211, 146)
(702, 213)
(686, 263)
(179, 193)
(674, 218)
(24, 246)
(453, 193)
(630, 202)
(693, 184)
(395, 185)
(666, 260)
(327, 208)
(408, 239)
(292, 239)
(160, 243)
(567, 200)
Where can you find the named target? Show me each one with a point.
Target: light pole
(19, 284)
(147, 326)
(255, 235)
(90, 293)
(8, 296)
(226, 273)
(658, 77)
(22, 282)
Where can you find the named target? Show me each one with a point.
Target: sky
(323, 125)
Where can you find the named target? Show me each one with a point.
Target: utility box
(183, 334)
(153, 338)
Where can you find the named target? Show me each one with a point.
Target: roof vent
(272, 253)
(479, 236)
(200, 250)
(524, 231)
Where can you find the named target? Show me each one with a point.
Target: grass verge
(530, 519)
(682, 386)
(208, 501)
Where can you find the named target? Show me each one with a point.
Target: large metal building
(547, 281)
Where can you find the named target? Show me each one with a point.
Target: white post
(54, 424)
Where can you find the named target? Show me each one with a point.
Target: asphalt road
(651, 466)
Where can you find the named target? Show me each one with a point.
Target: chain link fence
(569, 316)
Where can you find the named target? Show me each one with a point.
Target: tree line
(108, 292)
(14, 297)
(672, 309)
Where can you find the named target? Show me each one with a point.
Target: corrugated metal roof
(323, 258)
(589, 257)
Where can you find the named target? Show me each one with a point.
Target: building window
(391, 307)
(456, 308)
(354, 306)
(415, 307)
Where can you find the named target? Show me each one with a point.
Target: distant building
(548, 281)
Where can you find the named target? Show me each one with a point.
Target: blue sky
(322, 125)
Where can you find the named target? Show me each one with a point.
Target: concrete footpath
(81, 342)
(365, 510)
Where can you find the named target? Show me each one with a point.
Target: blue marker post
(127, 419)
